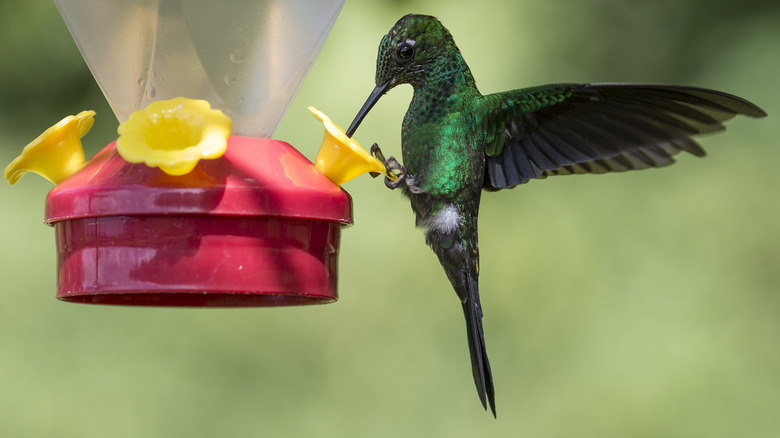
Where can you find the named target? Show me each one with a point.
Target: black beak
(372, 99)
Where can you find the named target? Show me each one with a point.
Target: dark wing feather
(567, 129)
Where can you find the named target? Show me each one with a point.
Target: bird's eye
(405, 51)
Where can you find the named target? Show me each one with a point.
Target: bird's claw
(394, 168)
(377, 153)
(398, 173)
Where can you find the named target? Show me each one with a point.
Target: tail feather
(480, 365)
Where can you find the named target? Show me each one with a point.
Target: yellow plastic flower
(57, 153)
(174, 135)
(341, 158)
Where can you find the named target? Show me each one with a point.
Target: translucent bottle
(248, 58)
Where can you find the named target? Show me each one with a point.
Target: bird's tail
(480, 365)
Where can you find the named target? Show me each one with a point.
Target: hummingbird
(457, 142)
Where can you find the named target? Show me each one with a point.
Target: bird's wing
(563, 129)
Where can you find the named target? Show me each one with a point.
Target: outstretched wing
(597, 128)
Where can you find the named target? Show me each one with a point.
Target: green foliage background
(632, 305)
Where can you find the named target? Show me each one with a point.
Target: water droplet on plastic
(152, 92)
(237, 56)
(229, 79)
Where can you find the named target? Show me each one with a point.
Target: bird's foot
(394, 168)
(396, 172)
(402, 175)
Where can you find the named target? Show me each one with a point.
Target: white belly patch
(446, 220)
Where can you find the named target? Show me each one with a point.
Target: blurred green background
(631, 305)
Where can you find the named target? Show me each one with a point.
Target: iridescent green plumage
(457, 142)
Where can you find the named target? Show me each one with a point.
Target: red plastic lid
(255, 177)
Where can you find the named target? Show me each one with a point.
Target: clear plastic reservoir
(248, 58)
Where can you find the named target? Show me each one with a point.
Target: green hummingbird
(456, 142)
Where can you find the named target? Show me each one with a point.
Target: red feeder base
(258, 227)
(197, 261)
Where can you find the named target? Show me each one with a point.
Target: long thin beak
(372, 99)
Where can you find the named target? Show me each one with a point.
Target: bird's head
(417, 49)
(414, 49)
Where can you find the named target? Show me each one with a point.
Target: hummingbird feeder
(193, 205)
